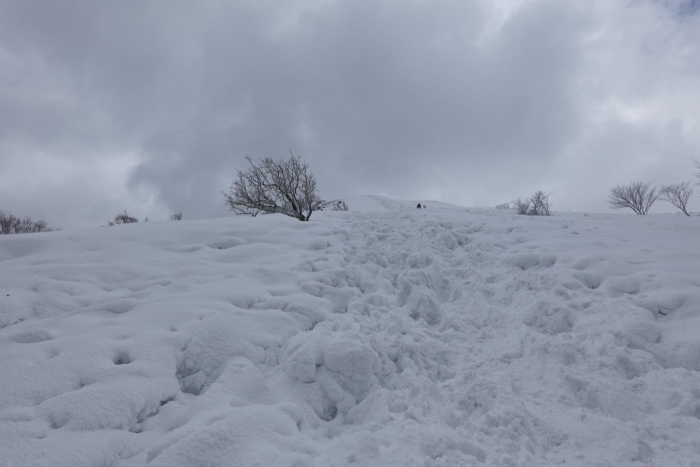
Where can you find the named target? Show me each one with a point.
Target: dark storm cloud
(151, 106)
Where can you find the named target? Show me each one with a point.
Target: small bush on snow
(537, 205)
(123, 218)
(10, 224)
(340, 206)
(540, 204)
(521, 205)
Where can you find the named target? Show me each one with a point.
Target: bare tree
(677, 194)
(638, 196)
(696, 162)
(540, 204)
(177, 216)
(521, 205)
(340, 205)
(7, 222)
(123, 218)
(275, 186)
(10, 224)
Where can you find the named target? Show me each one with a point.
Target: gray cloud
(151, 106)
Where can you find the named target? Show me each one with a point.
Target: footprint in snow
(32, 336)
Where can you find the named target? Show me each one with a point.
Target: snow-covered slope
(383, 336)
(376, 203)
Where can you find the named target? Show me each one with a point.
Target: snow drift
(384, 336)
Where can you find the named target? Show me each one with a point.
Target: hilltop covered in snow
(383, 336)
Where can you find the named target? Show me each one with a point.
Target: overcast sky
(152, 105)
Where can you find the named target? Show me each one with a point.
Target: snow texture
(383, 336)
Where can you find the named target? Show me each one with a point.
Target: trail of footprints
(431, 312)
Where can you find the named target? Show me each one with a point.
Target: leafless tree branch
(275, 186)
(638, 196)
(677, 194)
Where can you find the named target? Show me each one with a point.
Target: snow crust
(383, 336)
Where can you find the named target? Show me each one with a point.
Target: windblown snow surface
(384, 336)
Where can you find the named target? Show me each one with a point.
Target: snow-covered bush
(537, 205)
(123, 218)
(521, 205)
(10, 224)
(341, 205)
(540, 205)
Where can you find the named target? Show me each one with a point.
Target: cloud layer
(151, 106)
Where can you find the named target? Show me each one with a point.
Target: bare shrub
(540, 205)
(503, 206)
(123, 218)
(677, 194)
(177, 216)
(341, 205)
(9, 224)
(521, 205)
(275, 186)
(638, 196)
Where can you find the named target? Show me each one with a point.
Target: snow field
(386, 336)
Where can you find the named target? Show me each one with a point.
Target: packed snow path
(393, 337)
